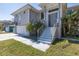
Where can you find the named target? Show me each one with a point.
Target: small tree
(1, 26)
(32, 28)
(69, 24)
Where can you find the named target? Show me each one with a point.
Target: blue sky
(72, 4)
(7, 8)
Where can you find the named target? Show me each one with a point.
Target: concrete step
(46, 42)
(45, 38)
(48, 35)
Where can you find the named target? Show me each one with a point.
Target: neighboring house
(8, 25)
(51, 16)
(71, 9)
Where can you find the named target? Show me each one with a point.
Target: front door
(11, 29)
(52, 19)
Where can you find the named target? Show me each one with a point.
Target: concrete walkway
(40, 46)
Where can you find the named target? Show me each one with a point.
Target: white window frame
(57, 11)
(54, 12)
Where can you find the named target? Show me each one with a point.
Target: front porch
(52, 20)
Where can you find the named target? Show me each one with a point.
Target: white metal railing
(40, 30)
(55, 25)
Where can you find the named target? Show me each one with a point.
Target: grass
(58, 48)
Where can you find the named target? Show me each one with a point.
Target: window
(53, 10)
(52, 19)
(24, 12)
(42, 15)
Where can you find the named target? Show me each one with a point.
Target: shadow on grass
(75, 42)
(57, 41)
(33, 38)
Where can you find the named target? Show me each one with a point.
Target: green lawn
(13, 47)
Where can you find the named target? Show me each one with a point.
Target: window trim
(53, 10)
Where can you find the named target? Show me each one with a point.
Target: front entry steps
(48, 35)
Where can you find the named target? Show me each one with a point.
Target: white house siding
(22, 30)
(16, 18)
(34, 16)
(22, 19)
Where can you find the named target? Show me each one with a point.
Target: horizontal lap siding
(34, 16)
(22, 20)
(22, 30)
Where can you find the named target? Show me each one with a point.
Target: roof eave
(28, 6)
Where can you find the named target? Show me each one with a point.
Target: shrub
(1, 26)
(37, 25)
(30, 27)
(70, 24)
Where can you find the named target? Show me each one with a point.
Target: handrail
(40, 30)
(56, 25)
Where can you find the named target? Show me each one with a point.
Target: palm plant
(32, 28)
(1, 26)
(69, 23)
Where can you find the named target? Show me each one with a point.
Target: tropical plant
(70, 23)
(37, 25)
(32, 28)
(1, 26)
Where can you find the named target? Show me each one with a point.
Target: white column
(59, 24)
(47, 17)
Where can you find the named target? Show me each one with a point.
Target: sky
(7, 8)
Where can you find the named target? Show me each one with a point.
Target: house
(73, 8)
(8, 26)
(23, 16)
(52, 14)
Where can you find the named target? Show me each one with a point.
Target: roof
(27, 6)
(6, 22)
(74, 7)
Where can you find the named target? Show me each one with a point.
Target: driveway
(40, 46)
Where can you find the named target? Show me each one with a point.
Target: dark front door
(52, 19)
(11, 29)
